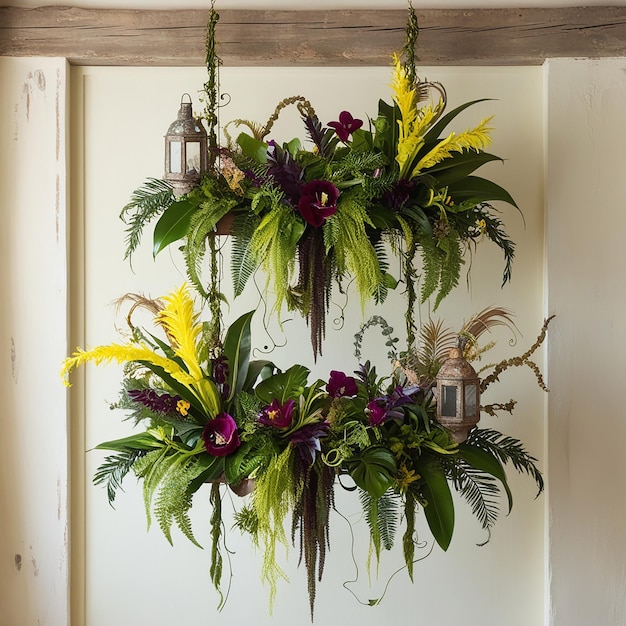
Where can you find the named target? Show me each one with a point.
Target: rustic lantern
(458, 395)
(186, 154)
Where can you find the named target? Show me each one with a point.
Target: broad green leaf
(485, 462)
(439, 511)
(242, 462)
(253, 148)
(293, 147)
(258, 369)
(213, 469)
(172, 225)
(283, 386)
(474, 190)
(373, 470)
(459, 165)
(237, 344)
(140, 441)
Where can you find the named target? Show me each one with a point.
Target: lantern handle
(186, 94)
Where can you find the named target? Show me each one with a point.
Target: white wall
(586, 222)
(501, 583)
(33, 339)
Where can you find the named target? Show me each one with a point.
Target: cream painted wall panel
(586, 221)
(136, 577)
(33, 341)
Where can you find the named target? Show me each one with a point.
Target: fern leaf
(507, 449)
(146, 203)
(243, 261)
(113, 470)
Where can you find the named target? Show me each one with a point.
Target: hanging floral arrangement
(330, 209)
(206, 413)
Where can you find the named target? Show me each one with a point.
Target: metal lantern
(186, 156)
(458, 395)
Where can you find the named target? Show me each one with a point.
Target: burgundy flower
(341, 385)
(318, 201)
(220, 435)
(377, 410)
(346, 125)
(278, 415)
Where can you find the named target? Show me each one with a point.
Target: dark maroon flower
(278, 415)
(341, 385)
(346, 125)
(220, 375)
(163, 403)
(307, 440)
(399, 195)
(220, 435)
(318, 201)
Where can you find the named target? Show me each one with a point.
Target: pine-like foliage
(479, 489)
(166, 477)
(507, 449)
(113, 470)
(146, 203)
(382, 515)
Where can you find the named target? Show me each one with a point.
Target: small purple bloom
(386, 408)
(399, 195)
(318, 201)
(164, 403)
(220, 435)
(278, 415)
(220, 375)
(341, 385)
(307, 440)
(346, 125)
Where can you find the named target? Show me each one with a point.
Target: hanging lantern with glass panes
(186, 156)
(458, 395)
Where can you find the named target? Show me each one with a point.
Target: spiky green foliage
(382, 517)
(507, 450)
(243, 260)
(166, 476)
(479, 489)
(441, 261)
(272, 500)
(146, 203)
(113, 470)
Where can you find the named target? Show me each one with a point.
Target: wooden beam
(333, 38)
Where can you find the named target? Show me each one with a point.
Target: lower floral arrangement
(208, 413)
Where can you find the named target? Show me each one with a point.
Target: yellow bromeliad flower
(415, 123)
(184, 332)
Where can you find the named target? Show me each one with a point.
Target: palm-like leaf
(146, 203)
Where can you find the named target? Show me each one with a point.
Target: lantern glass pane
(471, 397)
(193, 157)
(448, 400)
(176, 149)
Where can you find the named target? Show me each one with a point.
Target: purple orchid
(386, 408)
(307, 440)
(346, 125)
(220, 435)
(339, 385)
(220, 375)
(318, 201)
(278, 415)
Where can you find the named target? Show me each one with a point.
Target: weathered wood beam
(334, 38)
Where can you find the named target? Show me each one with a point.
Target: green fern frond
(174, 500)
(146, 203)
(507, 449)
(381, 515)
(354, 252)
(113, 470)
(243, 261)
(480, 490)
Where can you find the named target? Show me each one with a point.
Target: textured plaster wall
(33, 339)
(586, 259)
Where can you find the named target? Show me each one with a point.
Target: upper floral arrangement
(330, 208)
